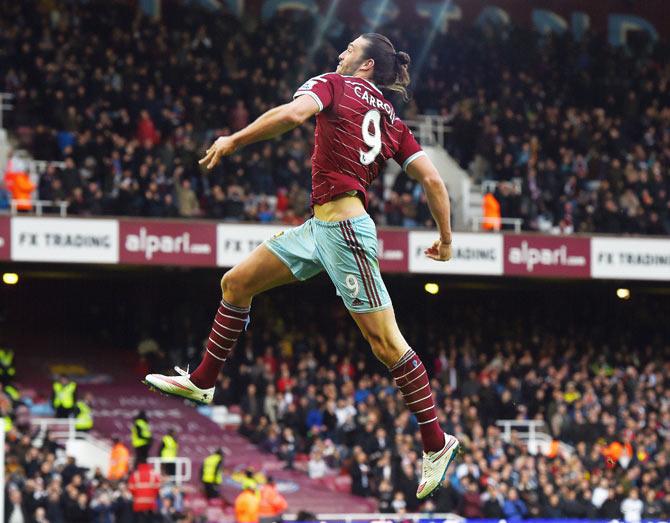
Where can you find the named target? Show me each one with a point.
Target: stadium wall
(130, 241)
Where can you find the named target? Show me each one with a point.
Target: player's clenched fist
(223, 146)
(439, 251)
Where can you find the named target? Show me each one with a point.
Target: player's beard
(348, 69)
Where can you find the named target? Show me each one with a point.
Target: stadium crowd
(318, 401)
(576, 134)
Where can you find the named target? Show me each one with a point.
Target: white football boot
(181, 386)
(435, 465)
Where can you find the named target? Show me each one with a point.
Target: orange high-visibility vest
(272, 503)
(491, 209)
(119, 459)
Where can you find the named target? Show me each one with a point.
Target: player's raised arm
(423, 170)
(270, 124)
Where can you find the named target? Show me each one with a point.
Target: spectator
(632, 507)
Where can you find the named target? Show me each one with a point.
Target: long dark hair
(391, 66)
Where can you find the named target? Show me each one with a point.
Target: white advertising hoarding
(72, 240)
(235, 241)
(472, 253)
(634, 258)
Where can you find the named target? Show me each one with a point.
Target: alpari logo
(532, 256)
(151, 244)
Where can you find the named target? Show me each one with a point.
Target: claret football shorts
(346, 250)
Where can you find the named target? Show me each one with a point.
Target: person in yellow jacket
(212, 474)
(272, 503)
(64, 397)
(119, 461)
(84, 418)
(141, 437)
(169, 449)
(7, 368)
(247, 503)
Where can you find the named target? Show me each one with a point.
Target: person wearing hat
(247, 503)
(272, 504)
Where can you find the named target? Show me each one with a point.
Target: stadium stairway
(109, 375)
(115, 405)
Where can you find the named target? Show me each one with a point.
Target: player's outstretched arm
(270, 124)
(423, 170)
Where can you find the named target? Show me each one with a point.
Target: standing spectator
(15, 510)
(144, 485)
(632, 507)
(360, 474)
(146, 129)
(514, 508)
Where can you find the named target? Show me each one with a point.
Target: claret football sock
(412, 379)
(229, 322)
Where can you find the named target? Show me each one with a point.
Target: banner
(167, 243)
(392, 251)
(76, 240)
(472, 253)
(635, 258)
(235, 241)
(552, 256)
(4, 238)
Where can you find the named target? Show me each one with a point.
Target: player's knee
(232, 286)
(382, 347)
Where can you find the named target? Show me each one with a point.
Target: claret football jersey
(357, 131)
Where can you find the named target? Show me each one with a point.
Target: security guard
(64, 397)
(169, 449)
(212, 474)
(84, 420)
(11, 391)
(141, 438)
(7, 368)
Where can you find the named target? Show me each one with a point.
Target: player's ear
(367, 64)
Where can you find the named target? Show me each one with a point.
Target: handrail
(180, 476)
(478, 221)
(430, 129)
(39, 206)
(534, 433)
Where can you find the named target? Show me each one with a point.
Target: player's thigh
(348, 252)
(260, 271)
(381, 330)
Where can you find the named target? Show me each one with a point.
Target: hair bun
(402, 58)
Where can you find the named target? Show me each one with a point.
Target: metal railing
(531, 432)
(38, 206)
(429, 129)
(64, 429)
(478, 221)
(492, 185)
(182, 469)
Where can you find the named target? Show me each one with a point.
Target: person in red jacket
(144, 485)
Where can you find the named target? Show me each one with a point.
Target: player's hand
(439, 251)
(223, 146)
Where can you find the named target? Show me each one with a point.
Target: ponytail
(391, 67)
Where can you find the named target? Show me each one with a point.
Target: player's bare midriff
(342, 207)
